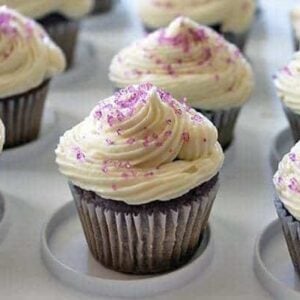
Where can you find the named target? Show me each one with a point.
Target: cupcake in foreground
(295, 22)
(2, 135)
(232, 18)
(28, 60)
(193, 62)
(287, 201)
(287, 83)
(60, 18)
(143, 169)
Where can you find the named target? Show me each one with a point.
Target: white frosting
(188, 60)
(233, 15)
(27, 55)
(287, 83)
(2, 135)
(40, 8)
(287, 181)
(139, 146)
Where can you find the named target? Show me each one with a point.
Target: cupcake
(28, 60)
(103, 6)
(2, 135)
(230, 18)
(295, 21)
(287, 201)
(192, 62)
(60, 18)
(287, 86)
(143, 170)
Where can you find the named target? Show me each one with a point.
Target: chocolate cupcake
(192, 62)
(60, 18)
(295, 22)
(287, 86)
(29, 59)
(287, 201)
(143, 170)
(231, 18)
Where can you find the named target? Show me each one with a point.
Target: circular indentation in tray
(66, 255)
(84, 68)
(49, 132)
(281, 145)
(273, 265)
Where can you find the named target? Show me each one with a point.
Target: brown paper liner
(64, 33)
(225, 121)
(291, 230)
(102, 6)
(294, 121)
(22, 115)
(149, 238)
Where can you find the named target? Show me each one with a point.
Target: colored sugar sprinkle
(186, 137)
(294, 185)
(5, 24)
(197, 118)
(149, 174)
(109, 142)
(292, 157)
(114, 187)
(80, 156)
(287, 71)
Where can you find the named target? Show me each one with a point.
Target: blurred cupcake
(60, 18)
(2, 135)
(28, 60)
(193, 62)
(287, 201)
(143, 169)
(295, 21)
(287, 83)
(232, 18)
(103, 6)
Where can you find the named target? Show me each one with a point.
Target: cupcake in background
(192, 62)
(60, 18)
(295, 22)
(231, 18)
(287, 83)
(287, 201)
(143, 169)
(28, 60)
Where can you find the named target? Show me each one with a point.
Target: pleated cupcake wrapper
(291, 230)
(22, 115)
(225, 121)
(294, 121)
(65, 35)
(102, 6)
(144, 243)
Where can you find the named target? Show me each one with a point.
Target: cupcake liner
(294, 120)
(102, 6)
(291, 230)
(225, 121)
(148, 238)
(64, 33)
(22, 114)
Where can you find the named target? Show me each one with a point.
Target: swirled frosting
(40, 8)
(287, 181)
(287, 83)
(233, 15)
(27, 55)
(139, 146)
(2, 135)
(188, 60)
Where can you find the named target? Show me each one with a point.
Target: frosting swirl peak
(27, 55)
(139, 146)
(190, 61)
